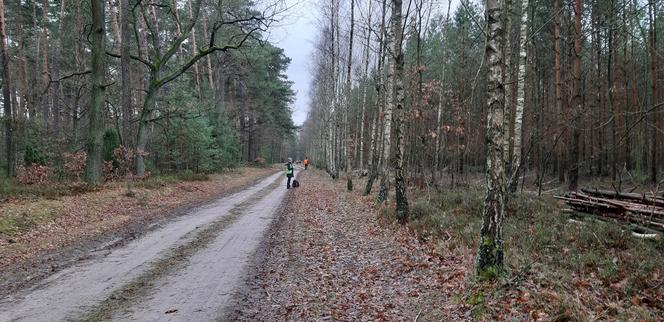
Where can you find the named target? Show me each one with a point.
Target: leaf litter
(329, 256)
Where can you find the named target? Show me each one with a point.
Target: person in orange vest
(306, 163)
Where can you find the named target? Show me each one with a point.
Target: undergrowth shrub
(33, 154)
(74, 163)
(34, 174)
(189, 175)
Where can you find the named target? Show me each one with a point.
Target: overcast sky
(296, 33)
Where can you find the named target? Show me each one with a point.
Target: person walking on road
(289, 172)
(306, 163)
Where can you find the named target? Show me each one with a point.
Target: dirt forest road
(186, 270)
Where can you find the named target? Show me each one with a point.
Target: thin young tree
(652, 30)
(349, 67)
(383, 193)
(515, 164)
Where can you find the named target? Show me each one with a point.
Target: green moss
(488, 273)
(475, 299)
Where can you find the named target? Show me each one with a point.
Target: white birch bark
(520, 99)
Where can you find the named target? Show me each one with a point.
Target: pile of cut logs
(646, 210)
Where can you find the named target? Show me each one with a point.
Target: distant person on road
(306, 163)
(289, 172)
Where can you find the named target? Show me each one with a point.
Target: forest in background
(178, 85)
(535, 94)
(602, 121)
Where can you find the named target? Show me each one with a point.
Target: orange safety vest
(306, 161)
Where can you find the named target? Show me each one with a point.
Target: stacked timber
(646, 210)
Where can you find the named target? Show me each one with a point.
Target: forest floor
(318, 252)
(335, 255)
(330, 257)
(42, 233)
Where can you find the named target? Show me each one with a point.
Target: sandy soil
(211, 246)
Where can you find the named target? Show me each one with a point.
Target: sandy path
(71, 293)
(204, 288)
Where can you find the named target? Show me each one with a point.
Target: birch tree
(515, 164)
(383, 193)
(349, 66)
(398, 95)
(490, 253)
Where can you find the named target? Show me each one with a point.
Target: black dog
(295, 184)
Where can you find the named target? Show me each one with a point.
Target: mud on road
(185, 270)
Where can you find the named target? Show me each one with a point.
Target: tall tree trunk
(57, 93)
(349, 67)
(383, 193)
(194, 47)
(515, 163)
(399, 123)
(376, 159)
(490, 253)
(178, 29)
(95, 112)
(441, 95)
(6, 97)
(45, 98)
(652, 15)
(559, 86)
(125, 71)
(23, 95)
(113, 11)
(365, 87)
(612, 98)
(509, 83)
(576, 99)
(208, 59)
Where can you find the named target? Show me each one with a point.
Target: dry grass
(556, 269)
(34, 224)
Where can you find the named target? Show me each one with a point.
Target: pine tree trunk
(125, 70)
(208, 58)
(96, 124)
(576, 99)
(441, 95)
(490, 253)
(194, 47)
(559, 86)
(56, 75)
(45, 98)
(652, 14)
(22, 90)
(113, 11)
(6, 97)
(178, 29)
